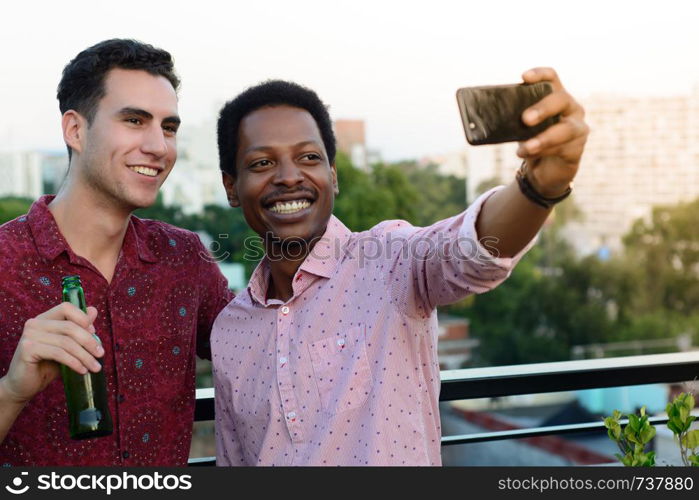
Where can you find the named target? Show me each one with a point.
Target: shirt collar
(138, 236)
(326, 255)
(50, 243)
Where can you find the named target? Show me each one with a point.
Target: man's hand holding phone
(548, 124)
(553, 156)
(541, 115)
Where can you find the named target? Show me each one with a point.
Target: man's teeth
(289, 207)
(150, 172)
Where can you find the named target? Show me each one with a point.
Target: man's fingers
(39, 351)
(565, 131)
(569, 152)
(557, 103)
(540, 74)
(91, 314)
(66, 310)
(43, 329)
(65, 343)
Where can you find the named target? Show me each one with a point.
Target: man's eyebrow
(136, 111)
(306, 143)
(127, 111)
(172, 119)
(269, 148)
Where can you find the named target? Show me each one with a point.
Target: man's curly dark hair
(82, 84)
(269, 93)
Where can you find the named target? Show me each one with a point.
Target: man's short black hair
(269, 93)
(82, 84)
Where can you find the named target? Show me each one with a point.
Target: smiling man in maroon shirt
(154, 292)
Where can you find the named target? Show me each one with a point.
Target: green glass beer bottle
(86, 395)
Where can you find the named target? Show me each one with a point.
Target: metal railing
(498, 381)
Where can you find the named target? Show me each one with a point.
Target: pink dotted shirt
(346, 371)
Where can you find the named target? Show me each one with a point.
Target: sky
(396, 65)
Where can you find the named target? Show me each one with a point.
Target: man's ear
(229, 182)
(336, 187)
(74, 127)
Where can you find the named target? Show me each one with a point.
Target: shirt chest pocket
(341, 369)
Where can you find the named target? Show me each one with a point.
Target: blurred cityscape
(642, 153)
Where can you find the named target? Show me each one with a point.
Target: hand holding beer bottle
(61, 335)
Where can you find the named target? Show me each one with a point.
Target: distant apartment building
(54, 168)
(351, 140)
(479, 166)
(191, 186)
(488, 165)
(20, 174)
(642, 152)
(454, 163)
(454, 346)
(196, 179)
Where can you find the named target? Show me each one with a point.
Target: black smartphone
(493, 114)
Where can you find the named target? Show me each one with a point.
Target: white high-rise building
(20, 174)
(196, 179)
(641, 152)
(478, 165)
(490, 163)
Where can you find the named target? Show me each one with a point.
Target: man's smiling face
(130, 147)
(284, 183)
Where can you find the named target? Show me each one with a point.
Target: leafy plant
(679, 413)
(632, 439)
(638, 432)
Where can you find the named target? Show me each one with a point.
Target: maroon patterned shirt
(153, 317)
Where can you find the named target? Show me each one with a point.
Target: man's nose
(288, 173)
(155, 142)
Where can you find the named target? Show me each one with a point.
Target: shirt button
(291, 415)
(285, 310)
(341, 342)
(282, 361)
(125, 454)
(117, 347)
(121, 398)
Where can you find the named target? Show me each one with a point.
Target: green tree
(167, 213)
(664, 250)
(231, 235)
(539, 312)
(233, 240)
(367, 198)
(440, 196)
(12, 207)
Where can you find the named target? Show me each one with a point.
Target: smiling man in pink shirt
(330, 356)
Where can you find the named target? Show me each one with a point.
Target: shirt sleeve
(214, 295)
(443, 263)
